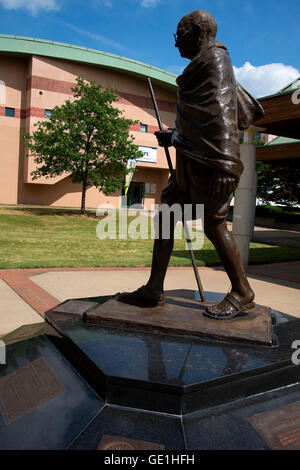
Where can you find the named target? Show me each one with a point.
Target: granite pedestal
(126, 387)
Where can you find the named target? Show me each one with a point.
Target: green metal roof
(294, 85)
(282, 141)
(29, 46)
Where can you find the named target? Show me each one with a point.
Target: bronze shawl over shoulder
(207, 123)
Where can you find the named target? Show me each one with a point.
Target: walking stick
(186, 230)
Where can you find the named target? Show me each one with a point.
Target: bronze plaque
(122, 443)
(280, 428)
(27, 388)
(182, 314)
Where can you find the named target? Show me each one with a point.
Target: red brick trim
(36, 297)
(25, 113)
(39, 112)
(60, 86)
(40, 300)
(49, 84)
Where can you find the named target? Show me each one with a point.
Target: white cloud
(265, 79)
(33, 6)
(97, 37)
(149, 3)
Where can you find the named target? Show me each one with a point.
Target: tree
(279, 183)
(87, 138)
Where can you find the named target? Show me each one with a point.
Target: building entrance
(135, 195)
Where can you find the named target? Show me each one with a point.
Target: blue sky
(262, 37)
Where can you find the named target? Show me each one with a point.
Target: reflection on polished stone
(173, 373)
(159, 357)
(48, 404)
(27, 388)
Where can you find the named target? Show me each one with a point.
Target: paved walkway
(26, 294)
(275, 236)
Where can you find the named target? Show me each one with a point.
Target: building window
(47, 113)
(10, 112)
(144, 128)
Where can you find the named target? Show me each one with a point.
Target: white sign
(150, 154)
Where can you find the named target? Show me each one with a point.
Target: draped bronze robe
(210, 105)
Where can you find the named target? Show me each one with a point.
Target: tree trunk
(83, 194)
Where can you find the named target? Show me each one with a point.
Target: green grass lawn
(41, 238)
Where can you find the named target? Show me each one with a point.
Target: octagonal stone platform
(167, 372)
(110, 388)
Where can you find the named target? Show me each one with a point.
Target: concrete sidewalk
(275, 236)
(27, 294)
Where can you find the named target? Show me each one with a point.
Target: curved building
(35, 76)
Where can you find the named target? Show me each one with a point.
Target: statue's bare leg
(152, 294)
(241, 295)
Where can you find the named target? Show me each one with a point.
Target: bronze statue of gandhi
(212, 110)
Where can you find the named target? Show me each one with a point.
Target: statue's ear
(197, 30)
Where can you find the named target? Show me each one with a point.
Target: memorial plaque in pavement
(122, 443)
(280, 428)
(27, 388)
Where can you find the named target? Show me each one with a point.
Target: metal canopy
(282, 115)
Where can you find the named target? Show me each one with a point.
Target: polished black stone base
(49, 423)
(224, 427)
(174, 392)
(165, 373)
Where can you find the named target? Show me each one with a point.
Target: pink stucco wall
(41, 83)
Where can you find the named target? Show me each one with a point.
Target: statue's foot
(229, 307)
(142, 297)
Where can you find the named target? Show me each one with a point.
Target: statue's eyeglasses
(179, 37)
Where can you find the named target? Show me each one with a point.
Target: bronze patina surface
(109, 442)
(181, 314)
(212, 110)
(27, 388)
(75, 306)
(280, 428)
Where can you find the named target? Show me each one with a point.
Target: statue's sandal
(230, 307)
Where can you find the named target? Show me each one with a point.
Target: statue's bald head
(201, 18)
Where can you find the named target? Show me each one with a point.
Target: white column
(254, 193)
(244, 199)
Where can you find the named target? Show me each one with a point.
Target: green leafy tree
(87, 138)
(279, 183)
